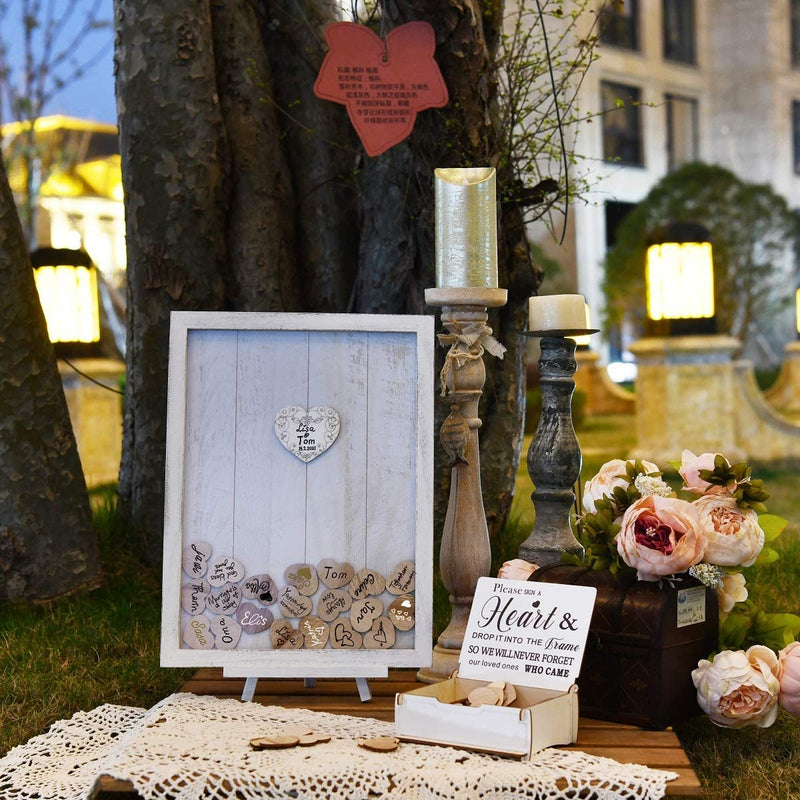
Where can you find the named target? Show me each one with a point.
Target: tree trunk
(225, 212)
(48, 544)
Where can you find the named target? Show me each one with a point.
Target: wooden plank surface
(624, 743)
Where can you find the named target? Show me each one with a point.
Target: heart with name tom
(307, 433)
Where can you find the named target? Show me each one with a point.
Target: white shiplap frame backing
(230, 482)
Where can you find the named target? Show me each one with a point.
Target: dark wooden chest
(644, 642)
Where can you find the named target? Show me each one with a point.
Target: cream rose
(612, 474)
(789, 677)
(731, 592)
(517, 570)
(739, 688)
(660, 536)
(734, 535)
(690, 472)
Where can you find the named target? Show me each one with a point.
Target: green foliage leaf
(772, 525)
(766, 557)
(774, 630)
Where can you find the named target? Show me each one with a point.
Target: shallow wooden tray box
(537, 719)
(519, 632)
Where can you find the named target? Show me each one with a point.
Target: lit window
(679, 33)
(619, 24)
(681, 130)
(622, 130)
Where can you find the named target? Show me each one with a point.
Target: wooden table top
(624, 743)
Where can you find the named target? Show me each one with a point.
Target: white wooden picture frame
(230, 482)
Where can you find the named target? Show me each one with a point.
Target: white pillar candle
(466, 228)
(557, 312)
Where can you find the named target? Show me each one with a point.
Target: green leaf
(772, 525)
(733, 629)
(676, 465)
(767, 556)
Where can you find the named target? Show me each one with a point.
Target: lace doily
(189, 747)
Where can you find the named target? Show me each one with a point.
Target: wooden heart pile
(290, 736)
(498, 693)
(329, 604)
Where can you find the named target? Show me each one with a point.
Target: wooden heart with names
(383, 84)
(307, 433)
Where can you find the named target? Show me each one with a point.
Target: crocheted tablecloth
(190, 747)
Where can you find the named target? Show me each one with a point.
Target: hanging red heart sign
(383, 84)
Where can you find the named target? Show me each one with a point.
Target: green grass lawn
(102, 647)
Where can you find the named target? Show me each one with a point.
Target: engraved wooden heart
(381, 635)
(284, 636)
(260, 587)
(307, 433)
(335, 574)
(364, 611)
(197, 633)
(303, 577)
(227, 632)
(332, 603)
(401, 612)
(195, 559)
(343, 637)
(402, 579)
(315, 632)
(253, 618)
(193, 596)
(225, 569)
(224, 600)
(293, 604)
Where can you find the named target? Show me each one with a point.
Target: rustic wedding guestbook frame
(298, 515)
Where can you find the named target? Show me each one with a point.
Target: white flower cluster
(648, 485)
(707, 574)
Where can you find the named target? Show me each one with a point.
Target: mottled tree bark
(263, 200)
(48, 544)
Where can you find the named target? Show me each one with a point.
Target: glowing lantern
(680, 278)
(66, 281)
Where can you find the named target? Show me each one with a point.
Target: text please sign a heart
(307, 433)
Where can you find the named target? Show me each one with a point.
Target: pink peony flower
(517, 570)
(789, 677)
(734, 535)
(660, 536)
(739, 688)
(690, 472)
(612, 474)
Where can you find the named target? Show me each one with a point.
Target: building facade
(716, 81)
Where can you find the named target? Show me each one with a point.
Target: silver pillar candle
(466, 227)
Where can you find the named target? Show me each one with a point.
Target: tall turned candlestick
(465, 554)
(554, 456)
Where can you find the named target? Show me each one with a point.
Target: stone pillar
(686, 397)
(785, 393)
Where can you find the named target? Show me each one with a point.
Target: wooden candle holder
(465, 554)
(554, 456)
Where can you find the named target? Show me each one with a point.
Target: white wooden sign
(298, 529)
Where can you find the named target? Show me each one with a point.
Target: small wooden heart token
(401, 612)
(224, 600)
(303, 577)
(227, 632)
(381, 636)
(193, 596)
(253, 618)
(307, 434)
(365, 583)
(284, 636)
(343, 637)
(380, 744)
(197, 633)
(293, 604)
(195, 559)
(332, 603)
(226, 569)
(261, 588)
(402, 579)
(364, 612)
(274, 742)
(335, 574)
(315, 632)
